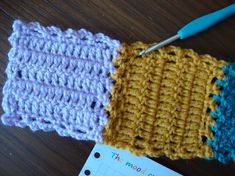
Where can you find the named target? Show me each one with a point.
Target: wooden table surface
(23, 152)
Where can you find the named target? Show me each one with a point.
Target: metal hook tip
(142, 53)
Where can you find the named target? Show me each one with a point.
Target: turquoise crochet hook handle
(205, 22)
(196, 26)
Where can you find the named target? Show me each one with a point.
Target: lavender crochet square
(58, 80)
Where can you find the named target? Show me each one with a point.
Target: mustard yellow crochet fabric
(161, 101)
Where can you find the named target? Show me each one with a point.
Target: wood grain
(26, 153)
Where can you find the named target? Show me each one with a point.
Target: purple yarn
(58, 80)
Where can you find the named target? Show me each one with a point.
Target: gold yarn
(161, 101)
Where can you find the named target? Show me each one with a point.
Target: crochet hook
(196, 26)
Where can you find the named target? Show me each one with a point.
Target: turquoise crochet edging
(223, 143)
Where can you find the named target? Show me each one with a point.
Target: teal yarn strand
(223, 143)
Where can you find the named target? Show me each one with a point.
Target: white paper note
(109, 161)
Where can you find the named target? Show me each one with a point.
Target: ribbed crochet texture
(171, 102)
(58, 80)
(223, 143)
(161, 102)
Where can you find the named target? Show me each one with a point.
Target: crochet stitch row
(58, 80)
(160, 102)
(223, 143)
(171, 102)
